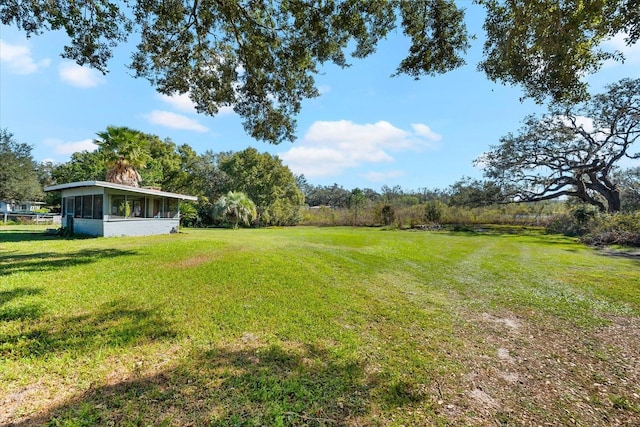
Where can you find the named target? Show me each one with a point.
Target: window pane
(172, 208)
(97, 206)
(68, 206)
(120, 207)
(77, 212)
(137, 206)
(87, 207)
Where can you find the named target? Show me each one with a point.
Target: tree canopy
(267, 182)
(571, 151)
(125, 150)
(18, 171)
(261, 57)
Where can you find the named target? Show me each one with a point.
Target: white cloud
(631, 53)
(179, 102)
(324, 89)
(382, 176)
(424, 131)
(328, 148)
(182, 102)
(67, 148)
(584, 122)
(175, 121)
(19, 60)
(78, 76)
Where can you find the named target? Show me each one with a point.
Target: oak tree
(261, 56)
(18, 171)
(571, 151)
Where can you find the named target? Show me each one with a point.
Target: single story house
(12, 206)
(99, 208)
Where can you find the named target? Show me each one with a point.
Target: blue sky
(366, 130)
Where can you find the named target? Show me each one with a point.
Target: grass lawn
(317, 326)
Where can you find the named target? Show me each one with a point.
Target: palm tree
(127, 150)
(236, 207)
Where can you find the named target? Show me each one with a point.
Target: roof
(127, 188)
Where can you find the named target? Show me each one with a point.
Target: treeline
(467, 201)
(263, 178)
(279, 197)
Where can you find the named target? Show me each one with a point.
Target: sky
(366, 130)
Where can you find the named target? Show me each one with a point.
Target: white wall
(140, 227)
(91, 227)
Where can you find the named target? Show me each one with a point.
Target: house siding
(90, 227)
(140, 227)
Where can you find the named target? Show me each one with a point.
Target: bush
(433, 210)
(614, 229)
(575, 223)
(385, 214)
(188, 215)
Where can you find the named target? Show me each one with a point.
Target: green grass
(316, 326)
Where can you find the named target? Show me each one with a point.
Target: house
(7, 206)
(100, 208)
(12, 206)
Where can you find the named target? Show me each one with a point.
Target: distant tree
(261, 57)
(83, 166)
(266, 181)
(334, 195)
(357, 201)
(370, 194)
(304, 186)
(391, 195)
(433, 210)
(385, 213)
(18, 171)
(236, 208)
(628, 182)
(427, 194)
(571, 151)
(162, 165)
(473, 193)
(126, 151)
(44, 171)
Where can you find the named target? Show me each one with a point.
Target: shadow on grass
(11, 262)
(268, 385)
(15, 235)
(116, 324)
(20, 312)
(533, 233)
(633, 254)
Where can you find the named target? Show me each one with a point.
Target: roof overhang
(126, 188)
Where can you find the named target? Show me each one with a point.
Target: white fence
(28, 218)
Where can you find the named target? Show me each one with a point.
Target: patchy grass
(317, 326)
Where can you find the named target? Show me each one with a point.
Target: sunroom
(100, 208)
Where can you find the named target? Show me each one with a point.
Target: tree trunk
(613, 201)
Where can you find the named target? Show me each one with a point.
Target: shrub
(188, 215)
(614, 229)
(433, 211)
(575, 223)
(385, 214)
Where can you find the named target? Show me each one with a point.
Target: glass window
(97, 206)
(172, 208)
(77, 211)
(137, 206)
(120, 206)
(87, 206)
(156, 208)
(68, 206)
